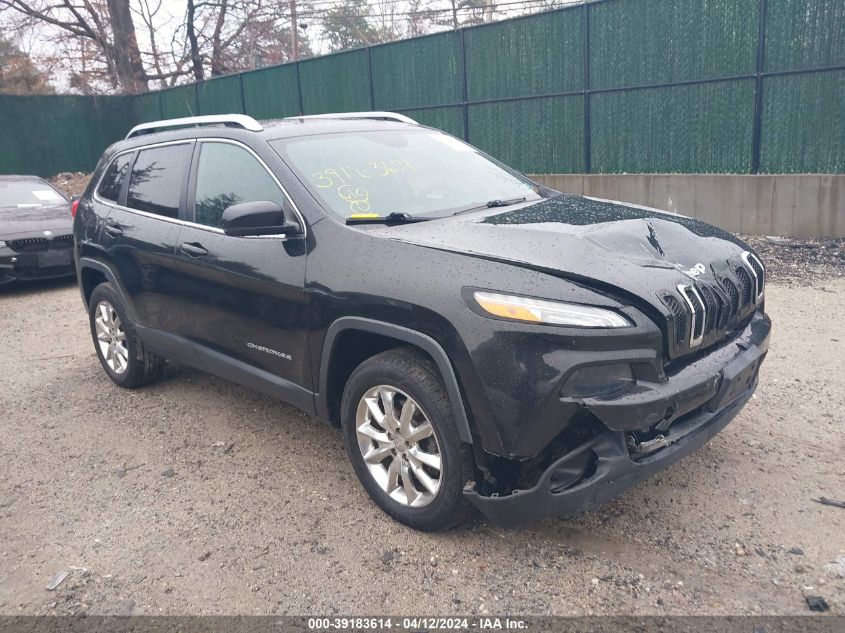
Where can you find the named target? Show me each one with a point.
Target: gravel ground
(195, 496)
(800, 261)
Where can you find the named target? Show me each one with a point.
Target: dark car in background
(36, 230)
(481, 340)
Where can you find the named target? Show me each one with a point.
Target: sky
(170, 16)
(172, 13)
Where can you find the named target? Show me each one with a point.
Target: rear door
(242, 297)
(140, 232)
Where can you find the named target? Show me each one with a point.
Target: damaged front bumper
(711, 381)
(643, 431)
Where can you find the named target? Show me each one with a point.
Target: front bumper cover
(604, 466)
(28, 266)
(711, 381)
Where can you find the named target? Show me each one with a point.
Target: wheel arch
(93, 272)
(403, 336)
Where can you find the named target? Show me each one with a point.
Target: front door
(243, 297)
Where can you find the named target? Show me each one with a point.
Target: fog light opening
(598, 380)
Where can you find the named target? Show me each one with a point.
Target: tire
(409, 451)
(131, 366)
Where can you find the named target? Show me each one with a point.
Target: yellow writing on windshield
(349, 174)
(346, 180)
(358, 198)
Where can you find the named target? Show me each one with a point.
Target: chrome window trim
(196, 225)
(96, 194)
(112, 203)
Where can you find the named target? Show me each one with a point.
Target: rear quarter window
(113, 178)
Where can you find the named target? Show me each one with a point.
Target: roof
(271, 130)
(283, 128)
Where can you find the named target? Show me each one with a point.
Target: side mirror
(257, 218)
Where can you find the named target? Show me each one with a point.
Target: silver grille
(698, 311)
(758, 273)
(703, 311)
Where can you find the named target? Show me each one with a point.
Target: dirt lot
(195, 496)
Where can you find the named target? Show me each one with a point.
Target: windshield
(17, 194)
(421, 172)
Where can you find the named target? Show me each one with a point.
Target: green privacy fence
(50, 134)
(609, 86)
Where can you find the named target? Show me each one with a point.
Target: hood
(632, 253)
(26, 221)
(631, 249)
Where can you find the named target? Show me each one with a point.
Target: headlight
(551, 312)
(2, 244)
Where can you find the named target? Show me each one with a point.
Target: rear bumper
(604, 466)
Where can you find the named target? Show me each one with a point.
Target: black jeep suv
(480, 340)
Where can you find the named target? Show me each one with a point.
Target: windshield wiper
(505, 203)
(390, 218)
(492, 204)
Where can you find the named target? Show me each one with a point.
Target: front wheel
(401, 436)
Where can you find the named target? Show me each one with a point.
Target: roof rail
(232, 120)
(375, 115)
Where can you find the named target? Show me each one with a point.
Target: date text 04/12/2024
(416, 624)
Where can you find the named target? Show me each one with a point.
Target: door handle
(113, 229)
(194, 249)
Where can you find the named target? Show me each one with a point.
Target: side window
(227, 175)
(112, 181)
(157, 178)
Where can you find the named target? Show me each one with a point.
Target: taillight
(73, 208)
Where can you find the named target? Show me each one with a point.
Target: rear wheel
(402, 439)
(116, 342)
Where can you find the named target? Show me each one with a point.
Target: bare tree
(226, 36)
(18, 74)
(147, 13)
(95, 41)
(106, 23)
(191, 26)
(217, 44)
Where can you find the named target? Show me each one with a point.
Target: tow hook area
(646, 447)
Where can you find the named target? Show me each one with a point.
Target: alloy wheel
(111, 337)
(399, 446)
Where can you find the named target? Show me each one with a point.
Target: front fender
(413, 337)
